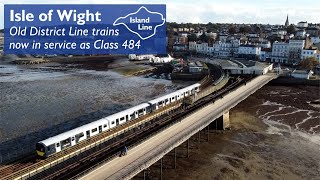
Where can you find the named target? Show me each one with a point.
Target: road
(157, 146)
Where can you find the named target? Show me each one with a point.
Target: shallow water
(40, 101)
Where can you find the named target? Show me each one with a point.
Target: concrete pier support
(175, 158)
(221, 123)
(161, 163)
(188, 144)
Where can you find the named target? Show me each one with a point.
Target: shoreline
(262, 143)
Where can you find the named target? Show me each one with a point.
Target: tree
(291, 29)
(245, 29)
(192, 37)
(203, 37)
(232, 30)
(309, 63)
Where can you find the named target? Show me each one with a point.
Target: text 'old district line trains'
(62, 141)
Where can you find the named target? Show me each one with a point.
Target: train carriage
(70, 138)
(129, 114)
(164, 100)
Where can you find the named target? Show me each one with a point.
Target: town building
(302, 74)
(311, 52)
(192, 46)
(313, 31)
(266, 54)
(301, 33)
(302, 24)
(181, 39)
(180, 47)
(280, 52)
(315, 40)
(295, 48)
(249, 51)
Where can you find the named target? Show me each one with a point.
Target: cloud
(228, 11)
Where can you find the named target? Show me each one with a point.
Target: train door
(127, 118)
(112, 124)
(58, 147)
(132, 116)
(65, 143)
(141, 112)
(73, 142)
(149, 109)
(79, 137)
(88, 134)
(192, 91)
(51, 149)
(100, 129)
(117, 122)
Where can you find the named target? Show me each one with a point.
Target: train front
(41, 150)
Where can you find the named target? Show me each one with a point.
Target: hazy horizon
(272, 12)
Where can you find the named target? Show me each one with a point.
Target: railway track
(83, 155)
(32, 164)
(71, 170)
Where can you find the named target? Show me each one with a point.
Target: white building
(315, 40)
(279, 32)
(161, 59)
(180, 47)
(295, 48)
(302, 24)
(202, 48)
(192, 46)
(308, 53)
(280, 52)
(219, 49)
(249, 51)
(265, 44)
(301, 33)
(301, 74)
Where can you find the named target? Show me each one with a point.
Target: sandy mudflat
(268, 140)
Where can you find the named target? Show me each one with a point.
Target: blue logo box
(85, 29)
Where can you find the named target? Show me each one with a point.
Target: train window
(39, 147)
(72, 139)
(105, 125)
(172, 98)
(66, 141)
(58, 144)
(112, 122)
(94, 130)
(81, 135)
(140, 111)
(49, 148)
(121, 119)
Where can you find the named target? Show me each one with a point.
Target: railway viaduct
(153, 149)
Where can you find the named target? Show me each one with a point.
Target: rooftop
(248, 45)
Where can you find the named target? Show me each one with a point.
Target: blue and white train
(62, 141)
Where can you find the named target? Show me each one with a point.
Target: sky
(215, 11)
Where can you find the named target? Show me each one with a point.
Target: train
(55, 144)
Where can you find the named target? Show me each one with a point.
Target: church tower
(287, 21)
